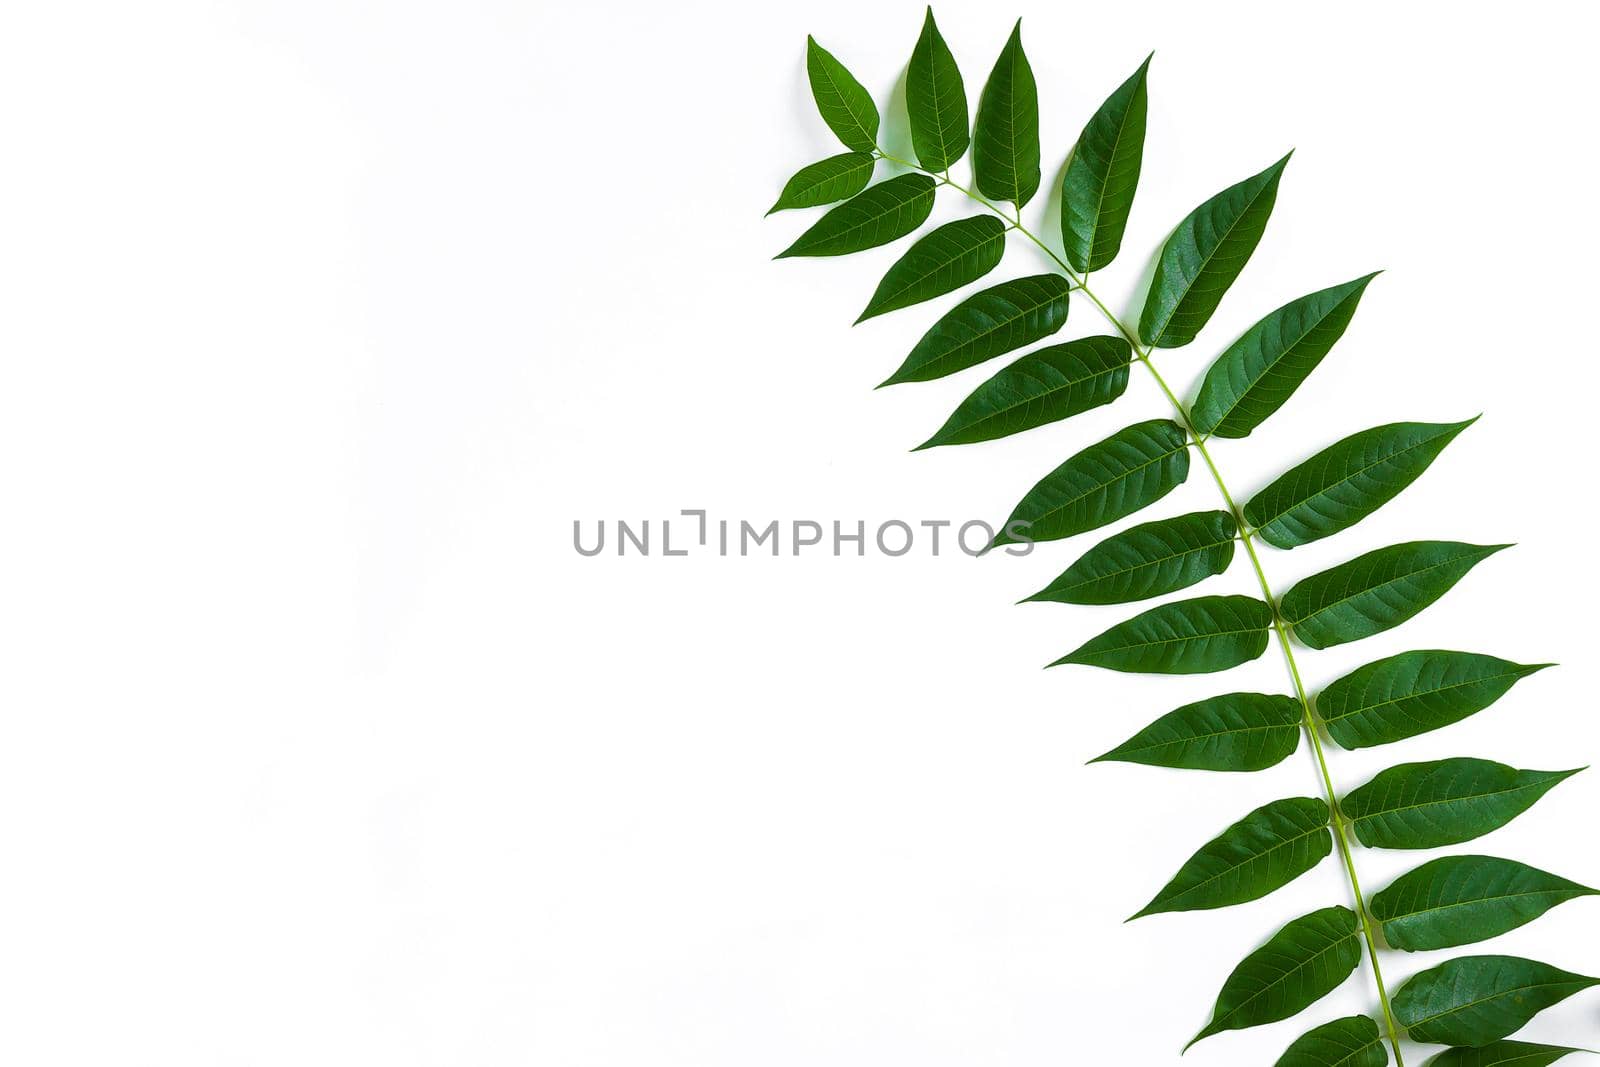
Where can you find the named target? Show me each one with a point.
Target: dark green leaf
(1200, 636)
(1478, 999)
(988, 324)
(1005, 137)
(1346, 482)
(1412, 693)
(1446, 802)
(1233, 732)
(1348, 1042)
(1262, 369)
(1377, 591)
(885, 212)
(1204, 256)
(946, 259)
(826, 182)
(1503, 1054)
(1042, 387)
(846, 107)
(936, 101)
(1298, 966)
(1134, 467)
(1264, 851)
(1148, 560)
(1459, 900)
(1097, 188)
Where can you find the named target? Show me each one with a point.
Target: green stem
(1308, 717)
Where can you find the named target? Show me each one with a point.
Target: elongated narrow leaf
(1346, 482)
(1133, 468)
(1412, 693)
(1377, 591)
(884, 212)
(846, 107)
(826, 182)
(1445, 802)
(946, 259)
(1349, 1042)
(1199, 636)
(1005, 137)
(1042, 387)
(936, 100)
(998, 320)
(1264, 851)
(1460, 900)
(1203, 258)
(1232, 732)
(1098, 185)
(1478, 999)
(1298, 966)
(1263, 368)
(1503, 1054)
(1148, 560)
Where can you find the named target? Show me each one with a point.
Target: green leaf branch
(1471, 1003)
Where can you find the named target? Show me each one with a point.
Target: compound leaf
(1005, 137)
(1349, 1042)
(846, 107)
(990, 323)
(826, 182)
(1377, 591)
(1460, 900)
(1474, 1000)
(884, 212)
(946, 259)
(1232, 732)
(1298, 966)
(1263, 368)
(936, 101)
(1264, 851)
(1347, 481)
(1444, 802)
(1134, 467)
(1101, 176)
(1148, 560)
(1412, 693)
(1044, 386)
(1204, 256)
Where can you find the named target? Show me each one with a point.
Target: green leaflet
(1101, 176)
(1199, 636)
(1005, 137)
(1263, 368)
(1445, 802)
(1134, 467)
(951, 256)
(1148, 560)
(1503, 1054)
(826, 182)
(1298, 966)
(1377, 591)
(1264, 851)
(987, 324)
(936, 101)
(1204, 256)
(1459, 900)
(1412, 693)
(1349, 1042)
(1346, 482)
(1232, 732)
(884, 212)
(1478, 999)
(1042, 387)
(846, 107)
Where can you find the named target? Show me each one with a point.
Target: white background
(323, 321)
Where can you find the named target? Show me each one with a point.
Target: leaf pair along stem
(1246, 535)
